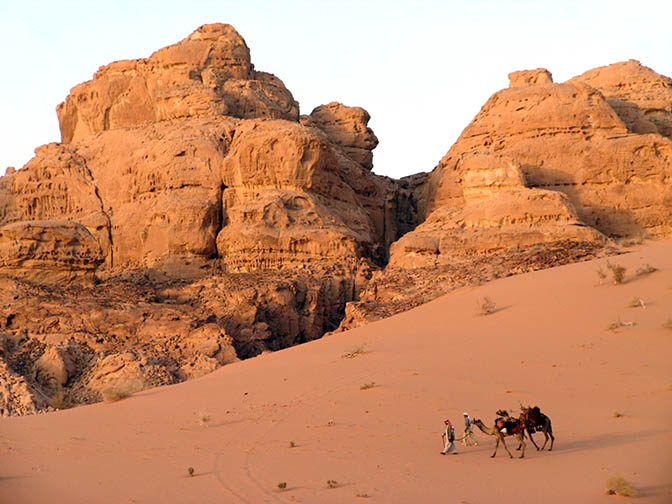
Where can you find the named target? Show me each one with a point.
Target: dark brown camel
(504, 427)
(535, 421)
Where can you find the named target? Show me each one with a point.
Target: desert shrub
(367, 386)
(617, 272)
(59, 401)
(203, 418)
(332, 483)
(636, 302)
(486, 306)
(354, 351)
(646, 269)
(620, 323)
(121, 389)
(618, 414)
(601, 273)
(618, 485)
(292, 444)
(190, 470)
(282, 485)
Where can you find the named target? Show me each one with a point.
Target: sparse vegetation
(617, 272)
(332, 483)
(121, 389)
(354, 351)
(190, 470)
(368, 385)
(203, 418)
(601, 273)
(362, 495)
(486, 306)
(292, 444)
(59, 401)
(618, 414)
(636, 302)
(618, 485)
(646, 269)
(282, 485)
(668, 323)
(620, 323)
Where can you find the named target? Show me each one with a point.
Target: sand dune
(546, 345)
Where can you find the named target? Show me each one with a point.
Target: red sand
(547, 345)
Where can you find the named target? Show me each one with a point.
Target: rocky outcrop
(207, 74)
(524, 78)
(641, 97)
(347, 127)
(543, 162)
(48, 251)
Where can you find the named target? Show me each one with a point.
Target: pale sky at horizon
(422, 69)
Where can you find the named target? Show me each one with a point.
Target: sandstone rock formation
(191, 217)
(347, 127)
(48, 251)
(641, 97)
(559, 159)
(207, 74)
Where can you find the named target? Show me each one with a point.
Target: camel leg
(548, 430)
(496, 446)
(521, 437)
(507, 450)
(529, 433)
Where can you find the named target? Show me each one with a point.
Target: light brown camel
(507, 427)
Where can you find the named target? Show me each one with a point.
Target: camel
(508, 427)
(534, 420)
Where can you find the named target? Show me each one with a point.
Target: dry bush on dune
(618, 414)
(617, 272)
(486, 306)
(620, 323)
(354, 351)
(646, 269)
(332, 483)
(601, 273)
(367, 386)
(618, 485)
(190, 470)
(203, 418)
(59, 401)
(282, 485)
(636, 302)
(116, 391)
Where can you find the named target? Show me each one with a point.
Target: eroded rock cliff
(191, 217)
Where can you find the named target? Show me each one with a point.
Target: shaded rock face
(207, 74)
(641, 97)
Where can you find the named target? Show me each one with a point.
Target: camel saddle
(534, 417)
(508, 426)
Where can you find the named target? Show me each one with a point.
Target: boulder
(347, 127)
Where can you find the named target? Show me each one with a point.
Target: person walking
(468, 434)
(448, 438)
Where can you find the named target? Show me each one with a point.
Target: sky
(422, 68)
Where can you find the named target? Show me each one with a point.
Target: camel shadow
(603, 441)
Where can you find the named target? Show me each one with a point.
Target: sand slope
(547, 345)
